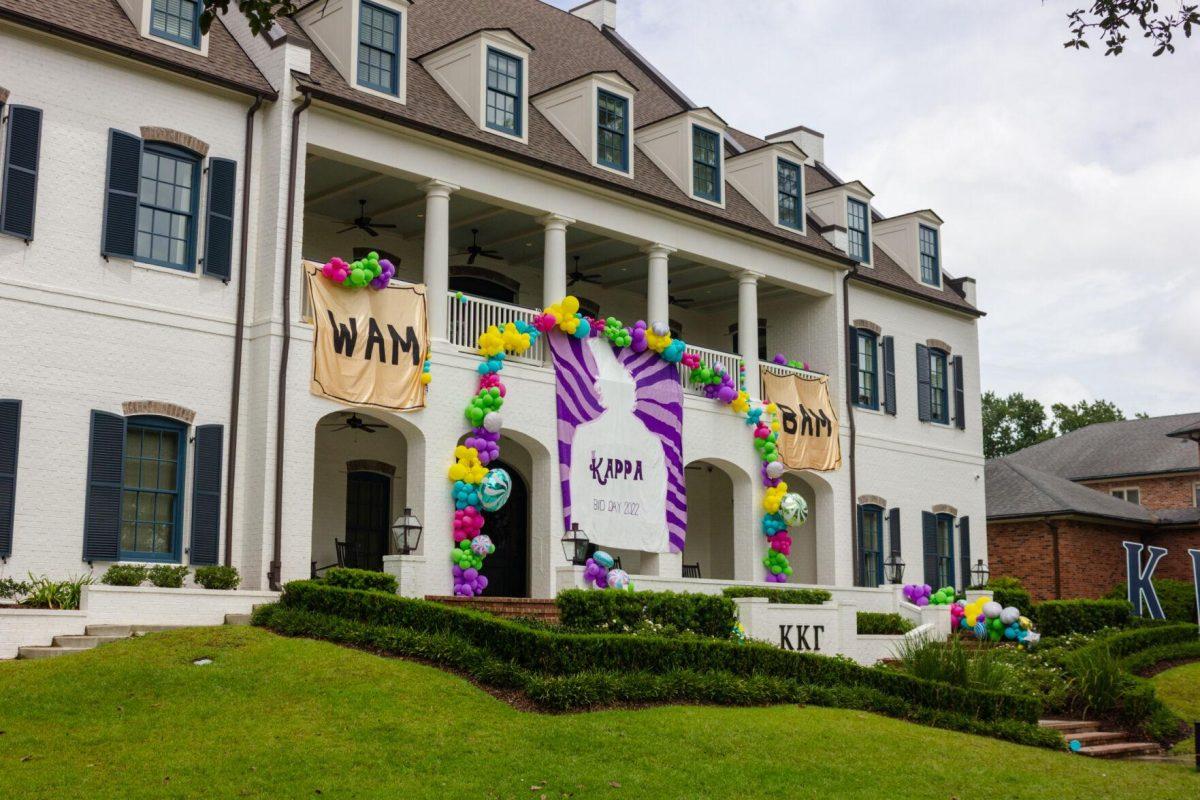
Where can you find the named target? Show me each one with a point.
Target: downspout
(850, 422)
(239, 332)
(275, 574)
(1053, 526)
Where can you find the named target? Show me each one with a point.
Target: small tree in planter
(166, 576)
(218, 578)
(124, 575)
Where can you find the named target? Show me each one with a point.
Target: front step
(237, 619)
(35, 653)
(1121, 750)
(109, 630)
(1069, 726)
(1090, 738)
(542, 609)
(86, 642)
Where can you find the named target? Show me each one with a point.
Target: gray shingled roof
(1116, 449)
(1016, 490)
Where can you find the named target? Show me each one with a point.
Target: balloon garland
(370, 271)
(983, 617)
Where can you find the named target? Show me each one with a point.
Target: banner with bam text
(808, 436)
(369, 346)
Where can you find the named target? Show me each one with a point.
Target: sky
(1069, 181)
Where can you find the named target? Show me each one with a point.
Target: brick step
(1121, 750)
(1089, 738)
(86, 642)
(1067, 726)
(543, 609)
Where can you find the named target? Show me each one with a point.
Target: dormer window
(378, 48)
(706, 164)
(176, 21)
(504, 92)
(612, 130)
(858, 220)
(791, 196)
(931, 271)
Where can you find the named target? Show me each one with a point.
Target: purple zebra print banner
(620, 444)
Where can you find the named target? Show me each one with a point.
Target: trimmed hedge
(1062, 617)
(1147, 660)
(217, 578)
(166, 576)
(552, 653)
(703, 614)
(124, 575)
(874, 623)
(804, 597)
(362, 579)
(600, 687)
(1177, 598)
(1009, 592)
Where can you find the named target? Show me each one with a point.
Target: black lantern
(575, 545)
(894, 568)
(406, 532)
(980, 573)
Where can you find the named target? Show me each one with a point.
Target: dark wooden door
(368, 519)
(507, 569)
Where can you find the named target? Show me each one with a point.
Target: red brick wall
(1091, 559)
(1172, 491)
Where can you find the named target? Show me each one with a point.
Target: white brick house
(162, 290)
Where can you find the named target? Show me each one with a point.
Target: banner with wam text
(369, 346)
(808, 436)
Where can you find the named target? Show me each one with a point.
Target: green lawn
(282, 718)
(1179, 688)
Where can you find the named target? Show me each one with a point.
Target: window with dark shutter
(121, 195)
(105, 479)
(218, 238)
(889, 375)
(960, 410)
(924, 412)
(929, 547)
(964, 550)
(206, 495)
(10, 435)
(894, 547)
(22, 151)
(852, 344)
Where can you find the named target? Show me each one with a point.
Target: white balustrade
(467, 318)
(779, 369)
(712, 358)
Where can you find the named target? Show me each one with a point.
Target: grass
(1179, 688)
(281, 718)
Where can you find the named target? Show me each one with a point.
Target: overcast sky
(1069, 182)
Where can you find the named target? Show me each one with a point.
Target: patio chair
(691, 570)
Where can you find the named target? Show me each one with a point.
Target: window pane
(128, 536)
(162, 538)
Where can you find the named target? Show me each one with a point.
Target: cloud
(1069, 182)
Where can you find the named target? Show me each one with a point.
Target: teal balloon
(495, 490)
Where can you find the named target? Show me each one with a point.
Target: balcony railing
(777, 369)
(712, 358)
(467, 318)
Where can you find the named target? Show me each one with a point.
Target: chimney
(601, 13)
(808, 140)
(965, 286)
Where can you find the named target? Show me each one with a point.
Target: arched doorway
(368, 519)
(709, 546)
(813, 548)
(507, 569)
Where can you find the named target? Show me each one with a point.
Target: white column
(437, 253)
(748, 322)
(554, 258)
(657, 291)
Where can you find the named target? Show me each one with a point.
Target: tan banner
(808, 436)
(369, 347)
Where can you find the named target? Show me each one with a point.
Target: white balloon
(493, 422)
(992, 609)
(775, 469)
(1010, 615)
(661, 328)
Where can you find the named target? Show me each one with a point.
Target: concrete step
(86, 642)
(1121, 750)
(1069, 726)
(109, 630)
(141, 630)
(237, 619)
(1089, 738)
(32, 653)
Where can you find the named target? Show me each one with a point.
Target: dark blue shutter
(924, 402)
(105, 479)
(860, 555)
(853, 377)
(960, 410)
(930, 546)
(21, 171)
(889, 375)
(10, 435)
(893, 516)
(121, 195)
(964, 550)
(218, 236)
(206, 495)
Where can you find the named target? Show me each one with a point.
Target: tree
(1110, 20)
(259, 13)
(1012, 423)
(1072, 418)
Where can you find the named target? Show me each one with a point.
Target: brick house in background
(1058, 511)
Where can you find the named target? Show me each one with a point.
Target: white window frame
(1122, 493)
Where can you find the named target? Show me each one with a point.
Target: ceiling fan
(475, 250)
(681, 302)
(357, 423)
(575, 276)
(364, 222)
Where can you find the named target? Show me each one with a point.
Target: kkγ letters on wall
(620, 444)
(369, 347)
(808, 435)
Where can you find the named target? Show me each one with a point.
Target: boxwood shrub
(594, 611)
(167, 576)
(124, 575)
(1009, 592)
(1148, 660)
(876, 623)
(1177, 598)
(804, 597)
(217, 578)
(363, 579)
(1062, 617)
(554, 653)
